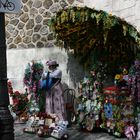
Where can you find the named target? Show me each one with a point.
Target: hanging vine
(96, 35)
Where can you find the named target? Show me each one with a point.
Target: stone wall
(29, 28)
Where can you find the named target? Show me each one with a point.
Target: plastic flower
(32, 75)
(17, 93)
(108, 110)
(117, 77)
(125, 71)
(15, 101)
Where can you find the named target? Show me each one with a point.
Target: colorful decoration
(121, 78)
(32, 76)
(19, 100)
(89, 101)
(45, 126)
(130, 132)
(110, 108)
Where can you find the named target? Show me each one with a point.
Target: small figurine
(129, 131)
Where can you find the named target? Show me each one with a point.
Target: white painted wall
(126, 9)
(17, 61)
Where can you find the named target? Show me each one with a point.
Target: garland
(32, 75)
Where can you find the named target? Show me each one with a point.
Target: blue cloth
(108, 110)
(46, 83)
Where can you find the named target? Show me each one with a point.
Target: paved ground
(73, 135)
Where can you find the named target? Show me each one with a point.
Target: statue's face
(51, 67)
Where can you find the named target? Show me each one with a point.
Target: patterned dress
(54, 97)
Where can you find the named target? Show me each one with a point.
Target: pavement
(73, 133)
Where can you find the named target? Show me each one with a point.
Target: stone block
(37, 27)
(47, 3)
(30, 24)
(24, 17)
(27, 39)
(20, 25)
(36, 37)
(39, 44)
(18, 39)
(44, 30)
(25, 8)
(14, 22)
(9, 40)
(37, 3)
(38, 18)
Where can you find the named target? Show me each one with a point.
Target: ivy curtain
(96, 36)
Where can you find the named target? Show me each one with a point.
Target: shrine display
(113, 108)
(95, 35)
(89, 100)
(110, 107)
(41, 123)
(44, 125)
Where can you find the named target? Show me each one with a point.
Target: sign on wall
(10, 6)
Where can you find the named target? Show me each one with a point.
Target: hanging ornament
(125, 30)
(86, 15)
(72, 15)
(82, 16)
(64, 17)
(78, 14)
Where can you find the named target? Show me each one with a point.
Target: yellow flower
(117, 76)
(125, 72)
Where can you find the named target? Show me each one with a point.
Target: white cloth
(54, 96)
(54, 74)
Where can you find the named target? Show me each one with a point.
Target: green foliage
(33, 74)
(96, 36)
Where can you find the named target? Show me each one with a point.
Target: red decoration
(113, 90)
(20, 100)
